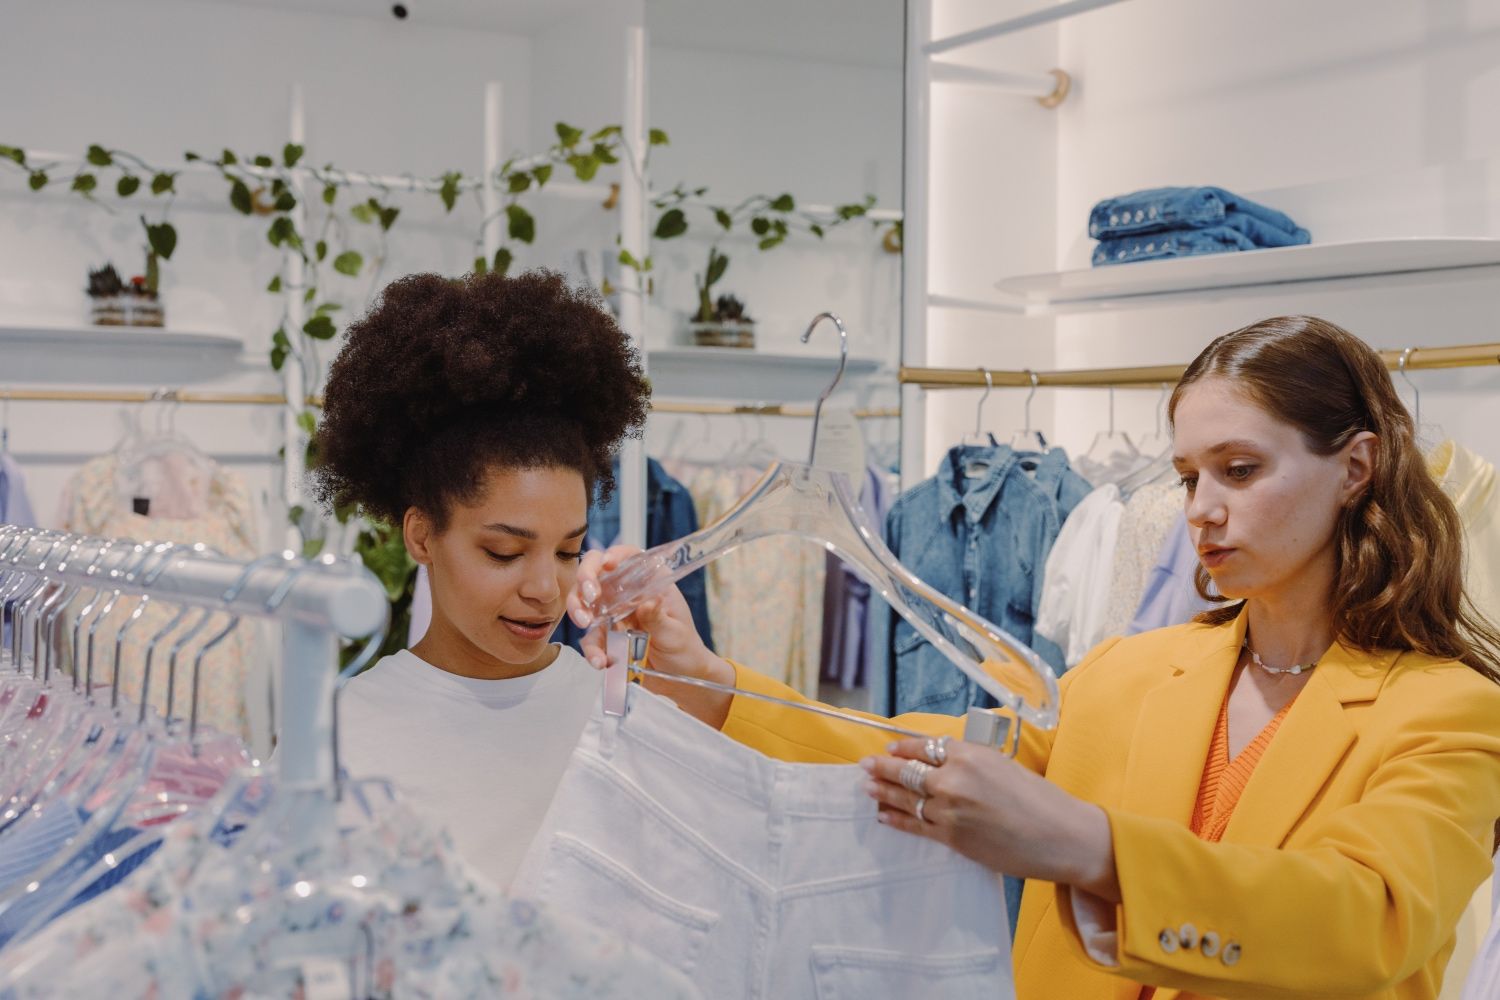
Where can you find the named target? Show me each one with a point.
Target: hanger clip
(992, 729)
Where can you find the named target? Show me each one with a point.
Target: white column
(633, 237)
(292, 376)
(489, 191)
(917, 151)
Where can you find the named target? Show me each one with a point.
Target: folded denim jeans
(1177, 243)
(1160, 209)
(1262, 234)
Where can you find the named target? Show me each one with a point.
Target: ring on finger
(937, 751)
(913, 776)
(921, 803)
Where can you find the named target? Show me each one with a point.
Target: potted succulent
(143, 305)
(720, 322)
(107, 301)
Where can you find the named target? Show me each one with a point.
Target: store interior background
(1360, 120)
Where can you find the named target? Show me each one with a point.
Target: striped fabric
(1225, 779)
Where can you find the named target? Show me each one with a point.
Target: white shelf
(729, 373)
(1126, 284)
(37, 353)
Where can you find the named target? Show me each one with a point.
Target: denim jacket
(1160, 209)
(669, 516)
(980, 541)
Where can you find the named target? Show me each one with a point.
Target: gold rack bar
(161, 396)
(762, 409)
(271, 399)
(1149, 376)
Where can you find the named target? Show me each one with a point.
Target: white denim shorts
(758, 878)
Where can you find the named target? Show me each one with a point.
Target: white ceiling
(865, 32)
(517, 17)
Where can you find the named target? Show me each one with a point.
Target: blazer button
(1188, 937)
(1210, 944)
(1231, 953)
(1167, 939)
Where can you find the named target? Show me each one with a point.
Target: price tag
(840, 447)
(325, 979)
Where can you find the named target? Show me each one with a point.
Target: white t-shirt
(480, 758)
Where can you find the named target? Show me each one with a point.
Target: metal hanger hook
(838, 377)
(989, 386)
(1034, 380)
(1415, 392)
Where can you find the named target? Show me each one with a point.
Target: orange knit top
(1224, 780)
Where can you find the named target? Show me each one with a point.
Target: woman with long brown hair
(1294, 795)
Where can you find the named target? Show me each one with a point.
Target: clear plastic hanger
(180, 774)
(821, 506)
(1112, 455)
(1027, 439)
(163, 442)
(60, 745)
(1159, 442)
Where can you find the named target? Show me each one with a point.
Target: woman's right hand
(676, 647)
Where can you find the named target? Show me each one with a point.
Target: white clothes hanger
(822, 506)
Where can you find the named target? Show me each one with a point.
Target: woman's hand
(990, 809)
(676, 647)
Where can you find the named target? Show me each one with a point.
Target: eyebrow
(527, 533)
(1238, 444)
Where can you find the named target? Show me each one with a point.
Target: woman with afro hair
(479, 415)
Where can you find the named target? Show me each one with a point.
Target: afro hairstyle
(447, 379)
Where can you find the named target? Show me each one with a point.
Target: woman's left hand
(990, 809)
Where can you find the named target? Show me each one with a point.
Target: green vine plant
(266, 186)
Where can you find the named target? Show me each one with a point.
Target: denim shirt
(669, 516)
(983, 542)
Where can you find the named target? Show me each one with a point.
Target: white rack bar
(635, 237)
(1030, 84)
(294, 371)
(915, 199)
(1037, 17)
(874, 214)
(387, 182)
(489, 193)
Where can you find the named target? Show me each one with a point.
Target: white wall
(403, 97)
(1361, 120)
(828, 132)
(157, 77)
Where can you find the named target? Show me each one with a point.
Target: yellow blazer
(1352, 852)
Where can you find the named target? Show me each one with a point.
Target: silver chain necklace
(1294, 669)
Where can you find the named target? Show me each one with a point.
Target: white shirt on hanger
(1075, 587)
(479, 758)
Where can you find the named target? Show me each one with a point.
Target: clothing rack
(1154, 376)
(276, 399)
(315, 602)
